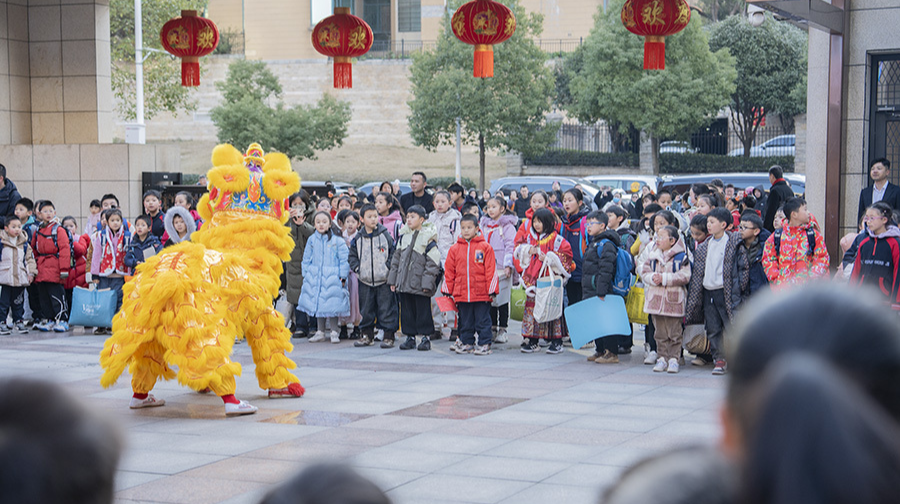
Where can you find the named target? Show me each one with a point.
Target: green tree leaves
(162, 73)
(252, 111)
(506, 111)
(612, 85)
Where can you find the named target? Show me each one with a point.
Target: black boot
(425, 345)
(356, 333)
(344, 334)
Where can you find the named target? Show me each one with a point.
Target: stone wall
(378, 100)
(72, 175)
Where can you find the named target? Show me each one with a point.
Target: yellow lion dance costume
(186, 305)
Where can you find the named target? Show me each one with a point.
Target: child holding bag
(499, 229)
(326, 267)
(542, 245)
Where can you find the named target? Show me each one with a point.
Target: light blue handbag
(92, 308)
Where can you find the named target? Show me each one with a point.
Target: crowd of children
(366, 268)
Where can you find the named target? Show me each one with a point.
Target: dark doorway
(378, 14)
(884, 136)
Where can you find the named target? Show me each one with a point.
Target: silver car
(782, 145)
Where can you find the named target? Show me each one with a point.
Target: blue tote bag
(93, 308)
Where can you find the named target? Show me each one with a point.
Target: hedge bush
(672, 164)
(569, 157)
(446, 181)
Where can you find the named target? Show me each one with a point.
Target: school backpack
(810, 239)
(677, 258)
(53, 230)
(624, 277)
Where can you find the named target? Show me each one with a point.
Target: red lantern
(655, 20)
(483, 23)
(189, 36)
(342, 36)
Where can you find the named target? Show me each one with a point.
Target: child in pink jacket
(499, 229)
(665, 274)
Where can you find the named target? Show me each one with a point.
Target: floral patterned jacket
(794, 264)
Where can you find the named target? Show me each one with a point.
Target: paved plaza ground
(427, 427)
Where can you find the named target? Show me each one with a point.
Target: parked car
(539, 182)
(319, 187)
(630, 183)
(782, 145)
(676, 147)
(740, 180)
(373, 186)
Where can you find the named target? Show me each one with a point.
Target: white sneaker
(660, 366)
(149, 402)
(650, 358)
(319, 336)
(335, 337)
(673, 366)
(501, 336)
(241, 408)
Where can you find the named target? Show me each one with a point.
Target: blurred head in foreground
(52, 449)
(327, 484)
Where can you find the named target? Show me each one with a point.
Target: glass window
(321, 9)
(409, 15)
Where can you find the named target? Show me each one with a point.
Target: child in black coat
(598, 272)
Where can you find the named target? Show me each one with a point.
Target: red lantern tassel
(654, 53)
(484, 61)
(343, 72)
(190, 71)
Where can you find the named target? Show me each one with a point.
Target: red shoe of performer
(292, 390)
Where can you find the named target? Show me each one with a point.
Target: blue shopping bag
(595, 318)
(92, 308)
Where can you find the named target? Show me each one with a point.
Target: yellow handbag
(634, 305)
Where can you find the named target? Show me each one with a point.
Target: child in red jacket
(52, 251)
(470, 278)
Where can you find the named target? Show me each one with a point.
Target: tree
(163, 91)
(503, 112)
(717, 10)
(771, 70)
(672, 103)
(252, 111)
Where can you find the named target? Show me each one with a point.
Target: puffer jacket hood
(9, 196)
(890, 231)
(470, 274)
(447, 226)
(170, 226)
(16, 260)
(500, 235)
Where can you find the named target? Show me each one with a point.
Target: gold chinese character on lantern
(485, 23)
(652, 13)
(205, 38)
(330, 36)
(459, 23)
(510, 26)
(357, 38)
(178, 38)
(684, 14)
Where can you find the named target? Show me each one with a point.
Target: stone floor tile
(178, 489)
(544, 451)
(543, 493)
(247, 469)
(129, 479)
(519, 469)
(463, 488)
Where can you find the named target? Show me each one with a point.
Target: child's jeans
(716, 318)
(475, 318)
(12, 297)
(116, 284)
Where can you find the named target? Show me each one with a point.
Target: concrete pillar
(816, 122)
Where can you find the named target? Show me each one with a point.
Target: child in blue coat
(325, 267)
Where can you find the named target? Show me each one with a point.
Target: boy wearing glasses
(598, 272)
(748, 263)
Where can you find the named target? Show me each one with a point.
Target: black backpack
(810, 238)
(53, 230)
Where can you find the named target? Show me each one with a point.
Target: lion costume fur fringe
(186, 305)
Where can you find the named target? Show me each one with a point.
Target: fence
(714, 139)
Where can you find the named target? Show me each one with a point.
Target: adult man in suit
(778, 195)
(880, 190)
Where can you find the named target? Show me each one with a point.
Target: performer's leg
(269, 340)
(147, 366)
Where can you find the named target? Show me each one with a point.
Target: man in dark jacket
(881, 188)
(597, 276)
(523, 203)
(9, 194)
(419, 195)
(778, 195)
